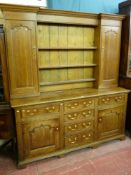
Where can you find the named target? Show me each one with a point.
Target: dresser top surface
(60, 96)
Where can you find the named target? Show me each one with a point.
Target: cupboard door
(41, 138)
(22, 62)
(110, 122)
(110, 53)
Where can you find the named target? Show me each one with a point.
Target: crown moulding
(45, 11)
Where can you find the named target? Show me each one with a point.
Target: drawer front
(79, 139)
(70, 128)
(79, 115)
(39, 110)
(79, 104)
(113, 99)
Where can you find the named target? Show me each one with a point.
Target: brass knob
(75, 138)
(103, 100)
(84, 124)
(76, 126)
(84, 136)
(28, 110)
(69, 127)
(53, 107)
(90, 102)
(57, 129)
(89, 135)
(23, 110)
(100, 120)
(84, 103)
(17, 111)
(89, 123)
(75, 114)
(89, 112)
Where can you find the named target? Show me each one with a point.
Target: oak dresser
(63, 79)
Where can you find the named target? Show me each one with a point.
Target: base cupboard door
(41, 137)
(110, 122)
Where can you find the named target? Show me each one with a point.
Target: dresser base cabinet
(54, 128)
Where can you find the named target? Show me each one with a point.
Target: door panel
(22, 62)
(41, 137)
(110, 122)
(110, 54)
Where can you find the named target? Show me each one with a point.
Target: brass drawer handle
(105, 100)
(118, 98)
(86, 137)
(71, 118)
(87, 103)
(75, 104)
(73, 127)
(50, 109)
(86, 124)
(73, 140)
(75, 115)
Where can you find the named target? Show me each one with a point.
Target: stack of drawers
(79, 121)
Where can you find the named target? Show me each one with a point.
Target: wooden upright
(125, 60)
(63, 78)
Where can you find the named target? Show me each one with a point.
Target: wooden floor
(112, 158)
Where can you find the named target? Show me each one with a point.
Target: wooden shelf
(60, 48)
(68, 82)
(68, 66)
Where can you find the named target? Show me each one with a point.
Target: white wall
(26, 2)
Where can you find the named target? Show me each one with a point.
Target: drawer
(70, 128)
(112, 99)
(4, 123)
(79, 139)
(79, 104)
(41, 109)
(79, 115)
